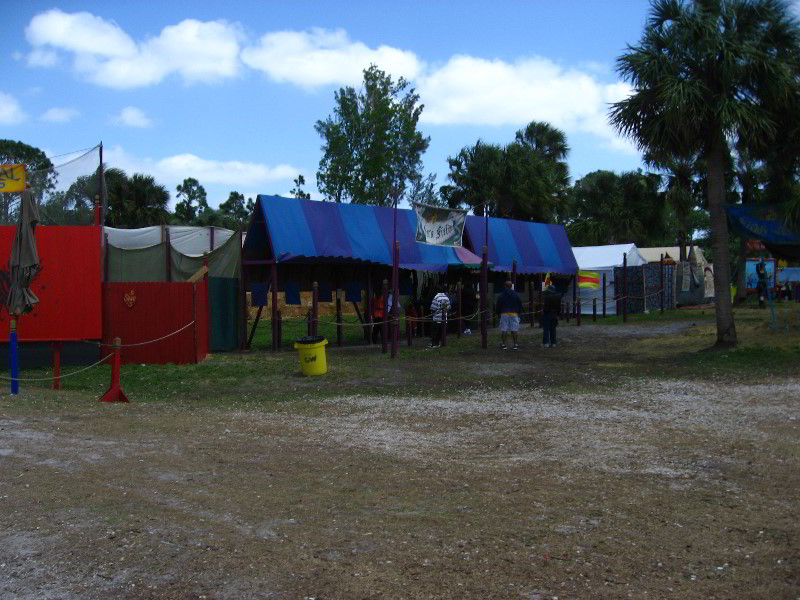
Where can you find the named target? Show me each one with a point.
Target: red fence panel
(139, 312)
(69, 284)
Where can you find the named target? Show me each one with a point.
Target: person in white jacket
(440, 305)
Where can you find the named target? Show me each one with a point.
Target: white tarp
(674, 253)
(602, 260)
(190, 241)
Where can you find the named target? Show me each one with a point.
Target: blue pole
(12, 340)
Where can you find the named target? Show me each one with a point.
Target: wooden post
(531, 308)
(625, 287)
(14, 350)
(211, 238)
(208, 300)
(244, 313)
(338, 318)
(106, 254)
(443, 337)
(568, 311)
(114, 392)
(274, 290)
(98, 209)
(578, 299)
(484, 305)
(594, 309)
(514, 273)
(168, 253)
(661, 270)
(604, 295)
(368, 330)
(395, 331)
(315, 308)
(384, 320)
(56, 346)
(194, 321)
(460, 315)
(409, 326)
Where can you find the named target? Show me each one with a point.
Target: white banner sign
(439, 226)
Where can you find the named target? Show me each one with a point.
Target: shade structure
(24, 263)
(298, 229)
(536, 247)
(765, 222)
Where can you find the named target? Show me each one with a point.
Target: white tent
(673, 253)
(188, 240)
(602, 260)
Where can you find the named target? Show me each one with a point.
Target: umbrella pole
(12, 343)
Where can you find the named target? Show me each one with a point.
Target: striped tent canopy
(294, 230)
(536, 247)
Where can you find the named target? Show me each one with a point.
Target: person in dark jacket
(509, 307)
(550, 310)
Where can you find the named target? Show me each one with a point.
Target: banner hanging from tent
(589, 279)
(439, 226)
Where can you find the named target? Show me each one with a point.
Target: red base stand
(115, 393)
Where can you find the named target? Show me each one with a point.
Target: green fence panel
(144, 264)
(225, 311)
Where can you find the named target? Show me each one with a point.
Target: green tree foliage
(527, 179)
(371, 146)
(75, 206)
(703, 72)
(607, 208)
(136, 201)
(41, 175)
(297, 191)
(193, 202)
(234, 211)
(423, 191)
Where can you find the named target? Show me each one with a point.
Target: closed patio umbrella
(24, 259)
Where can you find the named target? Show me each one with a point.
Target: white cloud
(323, 57)
(106, 55)
(219, 177)
(474, 91)
(42, 57)
(10, 111)
(130, 116)
(59, 115)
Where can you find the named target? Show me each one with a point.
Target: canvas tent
(603, 260)
(673, 253)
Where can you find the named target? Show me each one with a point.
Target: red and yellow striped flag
(589, 279)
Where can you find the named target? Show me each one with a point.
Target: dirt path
(646, 489)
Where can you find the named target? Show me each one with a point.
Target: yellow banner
(12, 178)
(589, 279)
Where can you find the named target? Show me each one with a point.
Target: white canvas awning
(607, 257)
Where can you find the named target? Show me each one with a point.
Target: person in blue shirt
(509, 307)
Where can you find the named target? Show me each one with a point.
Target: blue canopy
(536, 247)
(306, 229)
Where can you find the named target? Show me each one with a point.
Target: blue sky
(228, 92)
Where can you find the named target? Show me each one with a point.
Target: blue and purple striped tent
(536, 247)
(300, 230)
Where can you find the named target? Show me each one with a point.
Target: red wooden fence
(68, 284)
(141, 312)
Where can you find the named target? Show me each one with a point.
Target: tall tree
(41, 174)
(607, 208)
(371, 146)
(136, 201)
(527, 179)
(702, 72)
(297, 191)
(234, 211)
(193, 201)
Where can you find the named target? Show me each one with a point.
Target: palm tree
(703, 72)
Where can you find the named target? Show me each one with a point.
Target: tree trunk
(726, 329)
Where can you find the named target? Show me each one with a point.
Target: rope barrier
(60, 376)
(141, 343)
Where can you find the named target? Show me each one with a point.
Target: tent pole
(460, 313)
(396, 297)
(385, 319)
(625, 287)
(274, 286)
(314, 308)
(578, 298)
(14, 351)
(368, 330)
(661, 270)
(168, 253)
(604, 295)
(484, 304)
(530, 301)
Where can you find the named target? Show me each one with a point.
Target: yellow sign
(12, 178)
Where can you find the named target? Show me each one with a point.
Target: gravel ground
(639, 488)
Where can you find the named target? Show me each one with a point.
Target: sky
(229, 92)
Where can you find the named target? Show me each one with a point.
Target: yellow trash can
(311, 352)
